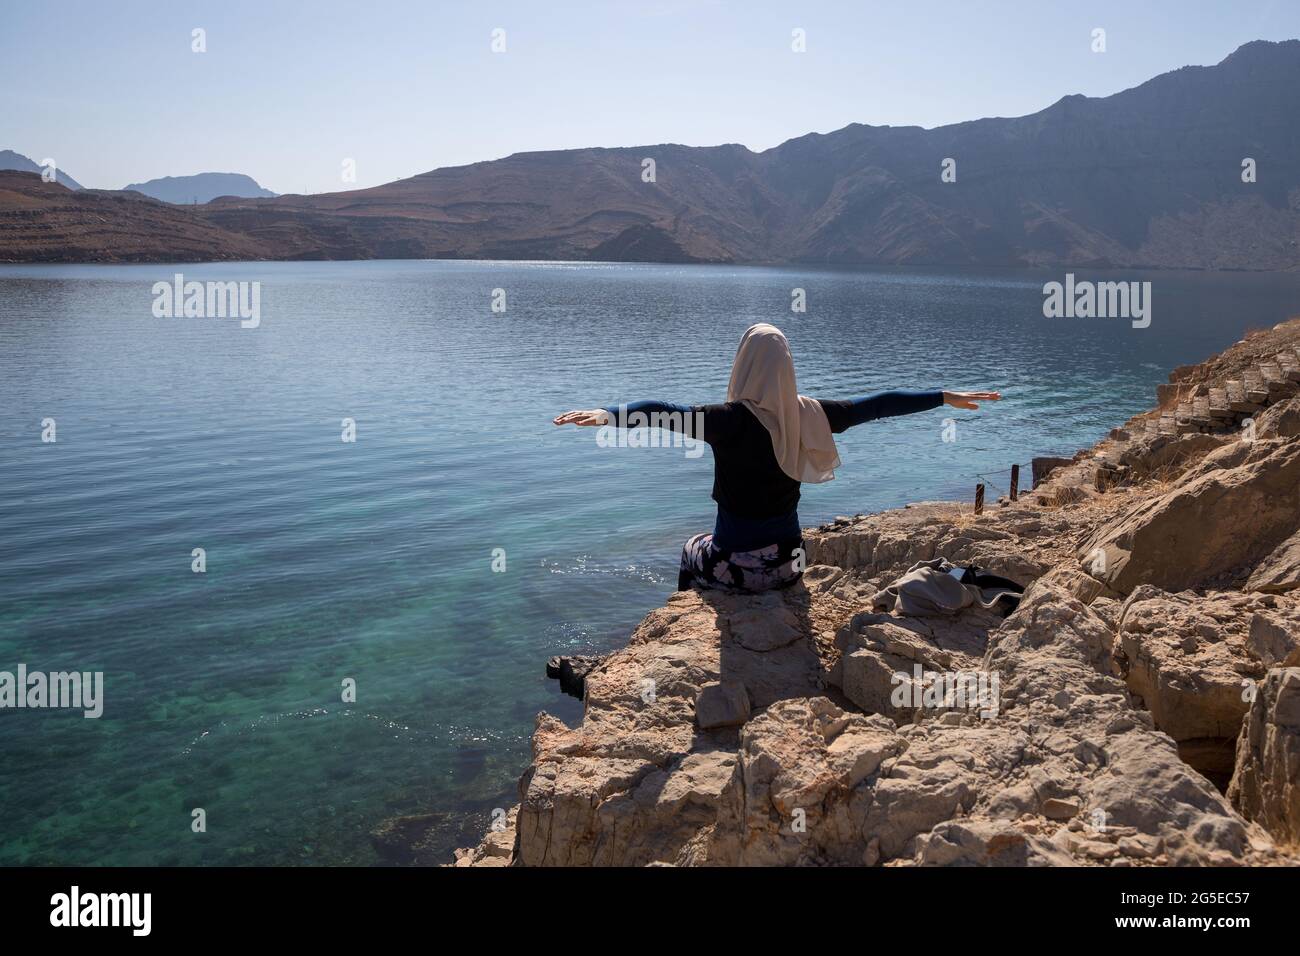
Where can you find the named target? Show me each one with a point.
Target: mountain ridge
(11, 159)
(201, 188)
(1149, 177)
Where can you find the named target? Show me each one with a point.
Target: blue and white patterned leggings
(706, 566)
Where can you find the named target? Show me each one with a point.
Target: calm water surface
(372, 560)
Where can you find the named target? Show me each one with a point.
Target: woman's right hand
(969, 399)
(591, 416)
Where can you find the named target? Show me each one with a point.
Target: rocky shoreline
(1148, 705)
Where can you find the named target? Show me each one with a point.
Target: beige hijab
(762, 378)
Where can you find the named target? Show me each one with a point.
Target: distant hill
(201, 188)
(11, 160)
(1149, 177)
(46, 222)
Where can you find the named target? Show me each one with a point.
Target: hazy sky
(287, 90)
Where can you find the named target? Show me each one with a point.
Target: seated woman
(766, 440)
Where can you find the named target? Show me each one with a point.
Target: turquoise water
(372, 560)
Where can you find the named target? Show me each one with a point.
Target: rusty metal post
(979, 498)
(1015, 481)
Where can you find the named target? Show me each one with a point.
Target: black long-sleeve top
(757, 501)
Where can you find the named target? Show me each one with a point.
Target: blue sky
(287, 90)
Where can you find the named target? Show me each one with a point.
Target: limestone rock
(722, 704)
(1279, 421)
(1274, 637)
(1125, 774)
(1266, 784)
(986, 843)
(1187, 657)
(496, 849)
(1280, 570)
(1042, 468)
(1223, 516)
(1082, 586)
(807, 781)
(1165, 456)
(886, 657)
(1055, 809)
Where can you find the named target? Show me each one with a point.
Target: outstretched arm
(654, 414)
(844, 415)
(714, 424)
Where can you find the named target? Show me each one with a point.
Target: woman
(766, 440)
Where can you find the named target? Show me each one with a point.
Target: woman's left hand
(968, 399)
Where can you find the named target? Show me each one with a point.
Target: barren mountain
(201, 187)
(45, 222)
(1152, 176)
(11, 160)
